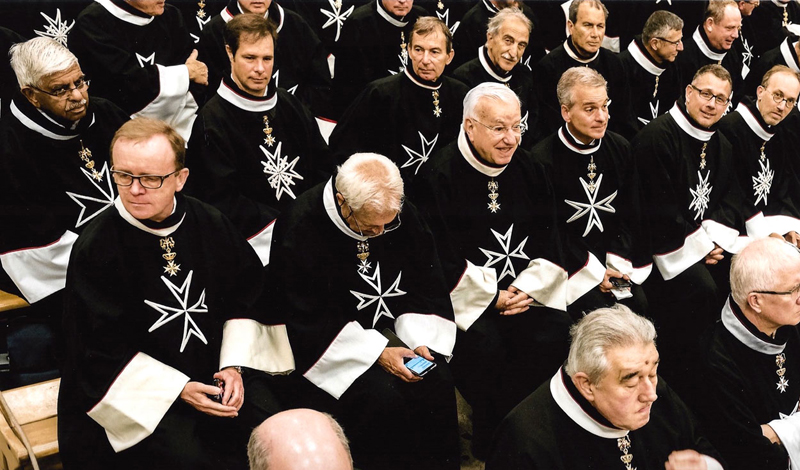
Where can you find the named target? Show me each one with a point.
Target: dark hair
(249, 25)
(426, 25)
(716, 70)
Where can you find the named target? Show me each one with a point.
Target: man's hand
(196, 394)
(391, 360)
(769, 433)
(512, 301)
(685, 460)
(234, 387)
(793, 238)
(424, 352)
(198, 72)
(606, 285)
(715, 255)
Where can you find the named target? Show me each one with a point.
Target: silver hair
(760, 265)
(577, 76)
(573, 8)
(488, 90)
(372, 182)
(661, 23)
(600, 331)
(501, 16)
(37, 58)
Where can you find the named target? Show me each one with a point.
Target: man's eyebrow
(629, 376)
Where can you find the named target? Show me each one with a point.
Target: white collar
(644, 61)
(572, 146)
(735, 327)
(698, 39)
(473, 160)
(124, 15)
(789, 56)
(420, 84)
(32, 125)
(332, 209)
(492, 9)
(572, 54)
(160, 232)
(572, 409)
(227, 15)
(488, 68)
(386, 16)
(752, 122)
(688, 127)
(781, 4)
(242, 102)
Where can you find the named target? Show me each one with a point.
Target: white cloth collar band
(687, 126)
(241, 102)
(492, 9)
(386, 16)
(572, 146)
(160, 232)
(572, 409)
(332, 209)
(488, 68)
(698, 39)
(124, 15)
(32, 125)
(572, 54)
(640, 58)
(789, 56)
(227, 16)
(473, 160)
(740, 332)
(420, 84)
(752, 122)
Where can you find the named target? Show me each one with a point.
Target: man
(500, 256)
(411, 115)
(601, 407)
(649, 65)
(137, 386)
(597, 197)
(53, 133)
(763, 154)
(691, 202)
(751, 361)
(327, 19)
(254, 148)
(373, 45)
(587, 24)
(498, 61)
(773, 22)
(299, 439)
(786, 54)
(352, 261)
(300, 65)
(711, 42)
(744, 44)
(139, 54)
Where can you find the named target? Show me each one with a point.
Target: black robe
(697, 52)
(247, 174)
(7, 39)
(137, 61)
(396, 117)
(648, 101)
(327, 18)
(449, 11)
(784, 54)
(767, 22)
(740, 392)
(300, 65)
(557, 429)
(744, 46)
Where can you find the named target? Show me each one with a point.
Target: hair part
(573, 8)
(507, 13)
(371, 182)
(489, 91)
(599, 332)
(565, 90)
(715, 70)
(660, 24)
(426, 25)
(778, 69)
(248, 27)
(37, 58)
(759, 266)
(143, 129)
(716, 10)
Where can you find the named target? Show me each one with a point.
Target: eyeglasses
(497, 131)
(792, 292)
(62, 91)
(778, 98)
(386, 228)
(674, 43)
(122, 178)
(708, 96)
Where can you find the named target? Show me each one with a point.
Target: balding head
(299, 439)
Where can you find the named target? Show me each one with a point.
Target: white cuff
(545, 282)
(252, 344)
(586, 279)
(788, 431)
(695, 247)
(473, 294)
(727, 238)
(262, 242)
(712, 463)
(39, 272)
(433, 331)
(618, 263)
(174, 104)
(760, 225)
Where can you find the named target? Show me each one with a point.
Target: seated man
(597, 198)
(254, 148)
(139, 55)
(299, 439)
(411, 115)
(159, 299)
(56, 133)
(601, 408)
(345, 269)
(787, 54)
(751, 362)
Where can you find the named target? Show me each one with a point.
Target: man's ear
(754, 301)
(584, 385)
(229, 52)
(30, 94)
(181, 178)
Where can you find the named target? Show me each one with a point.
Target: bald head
(299, 439)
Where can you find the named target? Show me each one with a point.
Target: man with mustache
(53, 133)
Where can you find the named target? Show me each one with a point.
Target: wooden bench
(11, 301)
(35, 409)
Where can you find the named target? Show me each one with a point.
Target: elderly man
(587, 25)
(500, 256)
(409, 116)
(55, 134)
(498, 60)
(299, 439)
(751, 362)
(649, 64)
(345, 269)
(139, 54)
(692, 206)
(300, 64)
(138, 386)
(763, 154)
(254, 148)
(601, 408)
(596, 188)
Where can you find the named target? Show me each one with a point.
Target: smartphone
(620, 283)
(218, 383)
(420, 366)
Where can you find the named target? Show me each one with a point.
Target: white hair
(760, 265)
(506, 13)
(488, 90)
(372, 182)
(35, 59)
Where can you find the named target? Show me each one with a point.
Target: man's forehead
(64, 77)
(498, 110)
(432, 39)
(625, 360)
(589, 95)
(514, 26)
(785, 82)
(709, 81)
(589, 11)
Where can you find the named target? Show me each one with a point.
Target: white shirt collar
(242, 102)
(419, 83)
(124, 15)
(752, 122)
(688, 127)
(386, 16)
(570, 145)
(332, 209)
(473, 160)
(789, 56)
(572, 409)
(486, 66)
(572, 54)
(701, 44)
(160, 232)
(643, 60)
(734, 325)
(34, 126)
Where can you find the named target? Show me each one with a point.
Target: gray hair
(577, 76)
(35, 59)
(488, 90)
(573, 8)
(660, 24)
(372, 182)
(759, 267)
(506, 13)
(600, 331)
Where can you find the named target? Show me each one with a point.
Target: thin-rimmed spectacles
(63, 91)
(392, 225)
(497, 131)
(674, 43)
